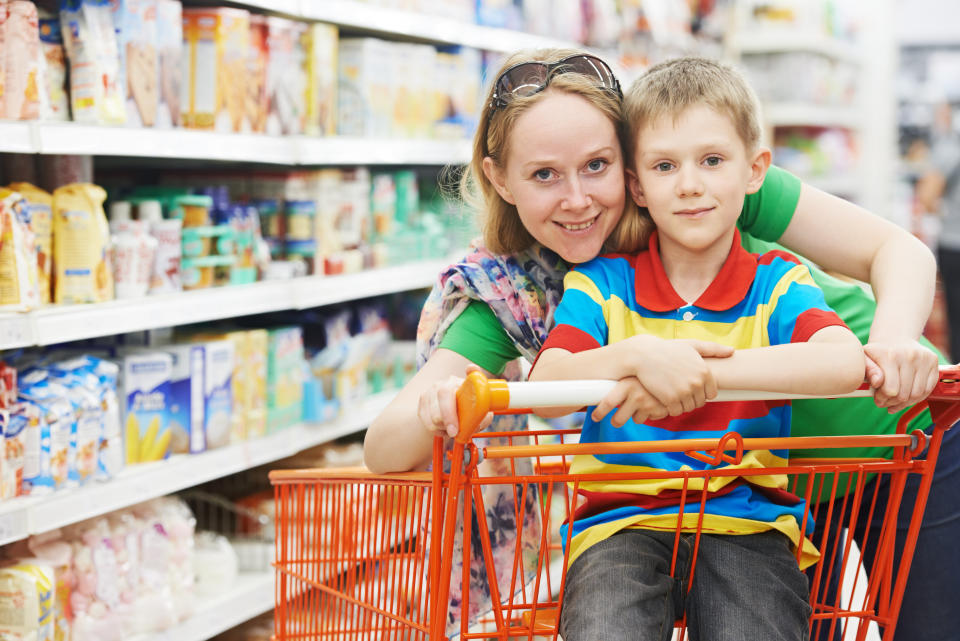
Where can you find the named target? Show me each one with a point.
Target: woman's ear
(633, 182)
(758, 169)
(495, 175)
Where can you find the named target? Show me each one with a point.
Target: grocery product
(216, 43)
(284, 378)
(299, 234)
(54, 453)
(145, 385)
(321, 45)
(15, 437)
(218, 391)
(40, 206)
(136, 26)
(27, 600)
(89, 37)
(286, 76)
(169, 51)
(134, 258)
(166, 269)
(257, 103)
(55, 103)
(21, 48)
(80, 242)
(18, 254)
(186, 401)
(365, 94)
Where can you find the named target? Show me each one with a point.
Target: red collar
(654, 291)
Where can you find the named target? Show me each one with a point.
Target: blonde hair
(503, 231)
(669, 88)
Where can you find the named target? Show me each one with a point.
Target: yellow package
(41, 222)
(80, 244)
(321, 48)
(18, 262)
(27, 600)
(216, 43)
(258, 345)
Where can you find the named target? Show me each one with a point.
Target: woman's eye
(713, 161)
(597, 164)
(664, 166)
(542, 174)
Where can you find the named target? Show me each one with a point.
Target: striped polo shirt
(755, 301)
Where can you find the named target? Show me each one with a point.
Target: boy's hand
(673, 372)
(631, 400)
(437, 409)
(901, 373)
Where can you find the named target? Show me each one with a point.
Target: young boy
(695, 128)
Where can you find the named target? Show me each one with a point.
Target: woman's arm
(843, 237)
(401, 437)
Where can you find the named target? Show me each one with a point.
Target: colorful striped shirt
(755, 301)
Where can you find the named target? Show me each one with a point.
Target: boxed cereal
(218, 391)
(145, 386)
(170, 60)
(284, 377)
(136, 24)
(186, 402)
(216, 44)
(286, 76)
(321, 45)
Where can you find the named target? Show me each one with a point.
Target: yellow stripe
(712, 524)
(755, 459)
(580, 282)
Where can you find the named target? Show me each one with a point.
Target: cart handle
(479, 395)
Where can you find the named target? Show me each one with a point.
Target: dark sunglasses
(528, 78)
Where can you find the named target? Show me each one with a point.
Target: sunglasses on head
(528, 78)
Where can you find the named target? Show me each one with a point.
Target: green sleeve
(767, 213)
(478, 336)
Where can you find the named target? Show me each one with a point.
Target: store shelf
(31, 515)
(800, 115)
(837, 184)
(250, 595)
(63, 323)
(75, 138)
(789, 41)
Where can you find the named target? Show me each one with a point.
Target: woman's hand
(901, 373)
(672, 371)
(437, 409)
(630, 400)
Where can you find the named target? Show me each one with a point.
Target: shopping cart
(361, 556)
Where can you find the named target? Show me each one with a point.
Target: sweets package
(21, 48)
(216, 43)
(146, 388)
(90, 39)
(169, 51)
(55, 103)
(81, 238)
(136, 25)
(27, 600)
(18, 254)
(321, 45)
(40, 206)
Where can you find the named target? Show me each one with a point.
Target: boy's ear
(633, 182)
(758, 169)
(495, 175)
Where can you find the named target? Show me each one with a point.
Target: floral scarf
(523, 291)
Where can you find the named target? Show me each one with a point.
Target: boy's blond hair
(670, 88)
(503, 231)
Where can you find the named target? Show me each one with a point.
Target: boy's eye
(597, 164)
(713, 161)
(664, 166)
(542, 174)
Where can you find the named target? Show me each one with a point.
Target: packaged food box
(216, 43)
(54, 103)
(321, 45)
(258, 348)
(40, 208)
(19, 277)
(136, 25)
(218, 391)
(284, 377)
(145, 385)
(365, 95)
(257, 103)
(170, 54)
(186, 402)
(286, 76)
(90, 39)
(22, 83)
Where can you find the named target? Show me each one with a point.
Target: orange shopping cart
(369, 557)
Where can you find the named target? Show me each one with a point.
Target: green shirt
(477, 334)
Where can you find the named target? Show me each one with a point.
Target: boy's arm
(831, 361)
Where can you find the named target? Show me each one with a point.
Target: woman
(549, 200)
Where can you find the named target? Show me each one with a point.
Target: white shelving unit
(58, 324)
(22, 517)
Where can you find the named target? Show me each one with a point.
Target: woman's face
(564, 174)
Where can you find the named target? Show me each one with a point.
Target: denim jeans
(744, 588)
(929, 603)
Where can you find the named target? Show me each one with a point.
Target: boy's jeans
(745, 588)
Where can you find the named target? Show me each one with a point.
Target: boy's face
(692, 174)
